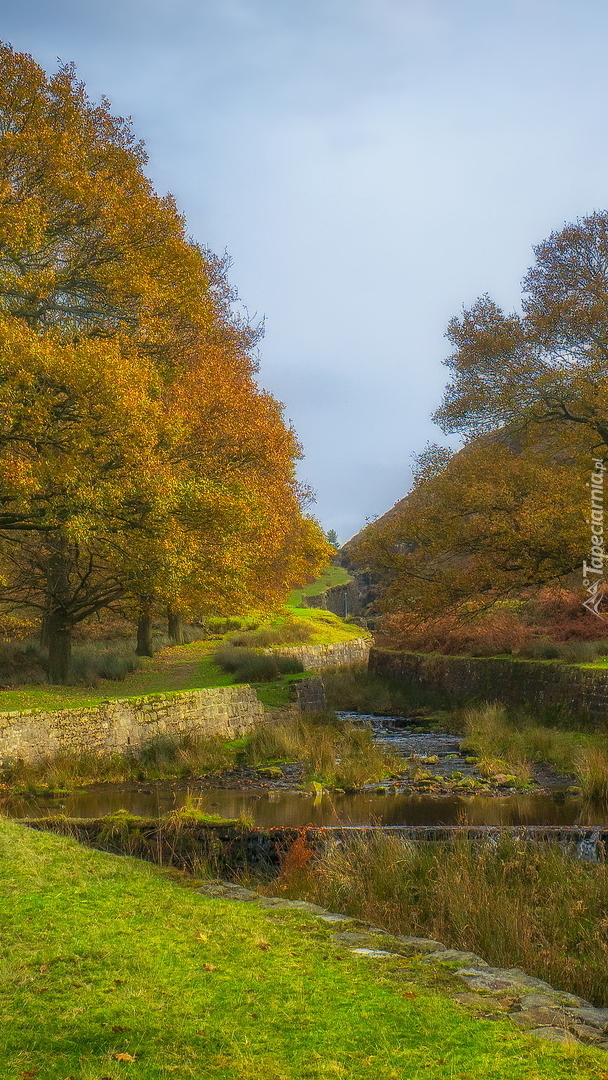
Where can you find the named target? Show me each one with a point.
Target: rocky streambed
(439, 785)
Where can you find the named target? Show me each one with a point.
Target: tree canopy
(139, 460)
(507, 514)
(548, 365)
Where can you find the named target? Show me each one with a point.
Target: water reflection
(289, 808)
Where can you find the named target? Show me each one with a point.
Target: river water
(384, 805)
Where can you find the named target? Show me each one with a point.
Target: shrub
(249, 666)
(533, 627)
(540, 649)
(93, 662)
(22, 662)
(495, 632)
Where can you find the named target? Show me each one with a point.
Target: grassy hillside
(112, 968)
(333, 575)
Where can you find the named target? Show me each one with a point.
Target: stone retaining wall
(124, 725)
(337, 654)
(541, 684)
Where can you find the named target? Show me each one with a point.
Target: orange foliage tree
(138, 459)
(502, 518)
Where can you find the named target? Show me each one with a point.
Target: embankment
(580, 693)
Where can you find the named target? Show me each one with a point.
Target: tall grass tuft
(92, 662)
(525, 905)
(592, 772)
(291, 632)
(491, 735)
(165, 757)
(335, 754)
(250, 666)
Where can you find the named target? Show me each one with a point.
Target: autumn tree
(138, 459)
(240, 537)
(530, 390)
(548, 365)
(503, 518)
(80, 470)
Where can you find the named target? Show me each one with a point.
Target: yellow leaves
(496, 520)
(129, 414)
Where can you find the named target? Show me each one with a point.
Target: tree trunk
(59, 638)
(176, 629)
(144, 635)
(57, 622)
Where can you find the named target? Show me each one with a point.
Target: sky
(370, 166)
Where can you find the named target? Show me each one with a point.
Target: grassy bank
(333, 754)
(191, 667)
(527, 906)
(332, 576)
(513, 742)
(112, 968)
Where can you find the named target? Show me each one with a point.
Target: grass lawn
(182, 667)
(333, 575)
(112, 968)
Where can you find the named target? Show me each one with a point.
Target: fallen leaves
(210, 967)
(123, 1057)
(263, 944)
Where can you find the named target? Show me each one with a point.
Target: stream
(386, 804)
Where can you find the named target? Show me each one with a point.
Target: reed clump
(334, 753)
(517, 744)
(517, 904)
(592, 773)
(165, 757)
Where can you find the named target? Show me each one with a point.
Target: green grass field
(182, 667)
(113, 968)
(333, 575)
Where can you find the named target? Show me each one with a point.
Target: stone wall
(337, 654)
(310, 695)
(343, 600)
(541, 684)
(124, 725)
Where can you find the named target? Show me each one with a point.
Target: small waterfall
(591, 847)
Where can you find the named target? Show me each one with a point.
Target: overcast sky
(369, 165)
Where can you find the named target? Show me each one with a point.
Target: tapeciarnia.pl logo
(593, 571)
